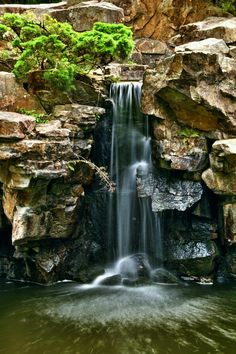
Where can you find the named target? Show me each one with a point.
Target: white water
(132, 226)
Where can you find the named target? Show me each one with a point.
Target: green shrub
(58, 51)
(228, 5)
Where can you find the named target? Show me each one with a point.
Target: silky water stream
(72, 319)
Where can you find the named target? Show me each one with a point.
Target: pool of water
(68, 318)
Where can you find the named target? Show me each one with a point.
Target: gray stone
(85, 14)
(213, 27)
(209, 45)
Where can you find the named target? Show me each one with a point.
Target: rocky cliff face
(43, 174)
(191, 96)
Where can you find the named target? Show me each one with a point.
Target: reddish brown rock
(14, 98)
(161, 19)
(15, 126)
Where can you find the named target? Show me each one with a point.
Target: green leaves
(59, 51)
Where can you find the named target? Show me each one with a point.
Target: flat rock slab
(213, 27)
(14, 8)
(209, 45)
(15, 125)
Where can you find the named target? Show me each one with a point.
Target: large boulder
(86, 13)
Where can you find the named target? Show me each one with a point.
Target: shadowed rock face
(183, 86)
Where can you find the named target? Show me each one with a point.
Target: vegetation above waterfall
(56, 50)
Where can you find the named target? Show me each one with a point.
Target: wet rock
(124, 72)
(229, 214)
(169, 193)
(192, 258)
(161, 275)
(135, 267)
(111, 280)
(175, 194)
(231, 261)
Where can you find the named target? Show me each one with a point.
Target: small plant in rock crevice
(40, 118)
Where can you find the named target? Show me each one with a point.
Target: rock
(231, 262)
(209, 45)
(125, 72)
(213, 27)
(182, 89)
(150, 46)
(111, 280)
(41, 190)
(135, 267)
(223, 156)
(179, 148)
(52, 130)
(161, 275)
(168, 193)
(192, 258)
(160, 19)
(219, 182)
(85, 14)
(229, 213)
(38, 9)
(221, 177)
(15, 126)
(14, 98)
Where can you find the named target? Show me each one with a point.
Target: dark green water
(65, 318)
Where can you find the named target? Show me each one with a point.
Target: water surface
(68, 318)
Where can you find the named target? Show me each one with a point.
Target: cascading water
(133, 227)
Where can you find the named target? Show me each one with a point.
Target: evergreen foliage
(57, 50)
(227, 5)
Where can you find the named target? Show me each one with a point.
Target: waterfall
(133, 227)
